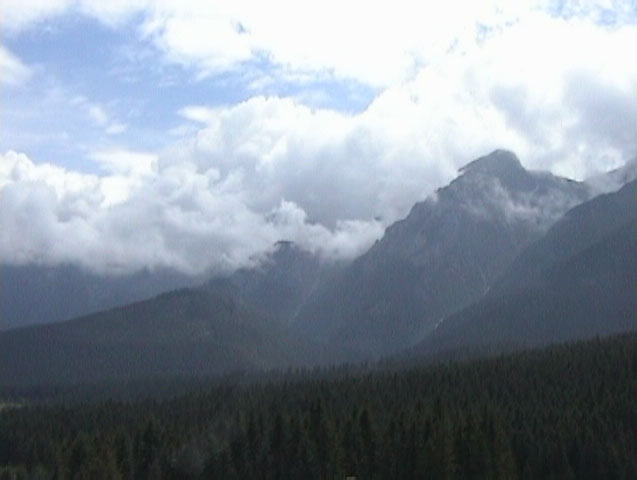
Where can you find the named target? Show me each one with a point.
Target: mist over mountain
(281, 283)
(578, 281)
(499, 256)
(613, 180)
(278, 284)
(583, 226)
(237, 322)
(444, 255)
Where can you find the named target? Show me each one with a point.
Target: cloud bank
(173, 217)
(556, 85)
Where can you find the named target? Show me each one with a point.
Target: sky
(139, 134)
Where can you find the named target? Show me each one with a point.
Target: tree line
(562, 412)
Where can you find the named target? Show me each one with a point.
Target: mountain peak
(503, 167)
(497, 163)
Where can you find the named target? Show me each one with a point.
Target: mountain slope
(580, 228)
(186, 332)
(441, 257)
(579, 281)
(281, 284)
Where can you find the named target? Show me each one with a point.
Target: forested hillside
(181, 333)
(564, 412)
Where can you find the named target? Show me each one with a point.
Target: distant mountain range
(188, 332)
(36, 294)
(500, 258)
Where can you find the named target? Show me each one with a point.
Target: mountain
(579, 229)
(228, 323)
(490, 258)
(188, 332)
(36, 294)
(281, 284)
(578, 281)
(443, 256)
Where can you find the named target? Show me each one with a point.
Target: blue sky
(93, 86)
(195, 134)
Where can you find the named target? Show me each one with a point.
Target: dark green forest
(562, 412)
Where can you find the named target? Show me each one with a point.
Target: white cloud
(20, 15)
(179, 217)
(504, 92)
(453, 83)
(334, 166)
(126, 162)
(14, 71)
(197, 113)
(23, 14)
(376, 43)
(99, 116)
(126, 172)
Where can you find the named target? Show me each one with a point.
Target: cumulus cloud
(505, 92)
(335, 166)
(570, 91)
(126, 162)
(559, 89)
(177, 217)
(376, 43)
